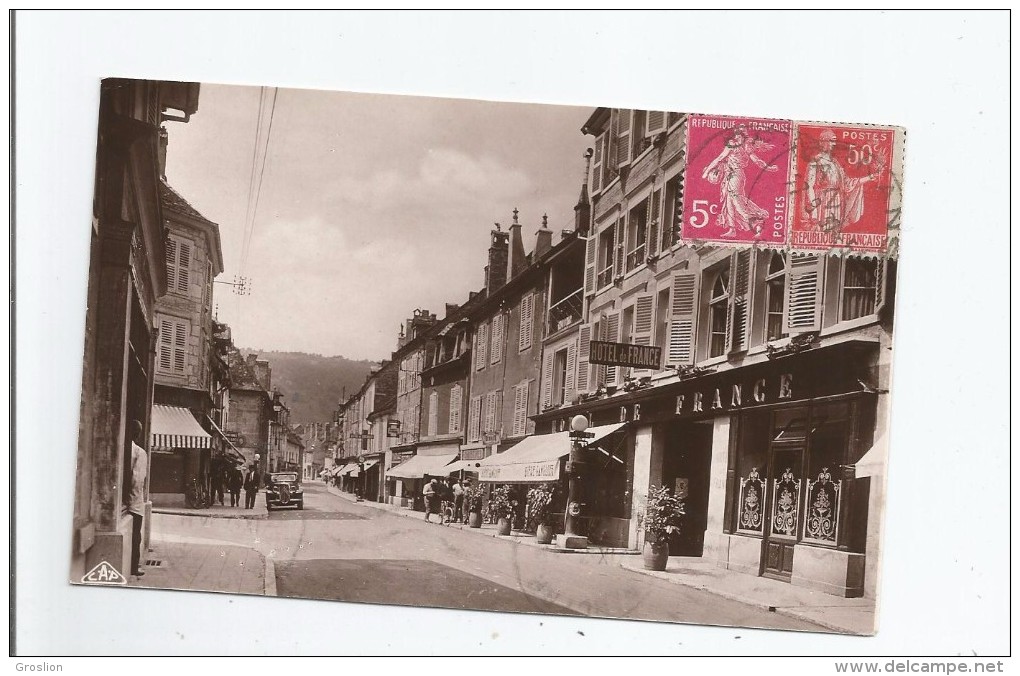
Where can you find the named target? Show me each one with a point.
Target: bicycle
(446, 512)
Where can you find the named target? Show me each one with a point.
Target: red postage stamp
(842, 187)
(737, 183)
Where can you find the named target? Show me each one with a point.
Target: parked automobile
(284, 490)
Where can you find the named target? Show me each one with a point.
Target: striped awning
(175, 427)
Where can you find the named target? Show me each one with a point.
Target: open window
(718, 311)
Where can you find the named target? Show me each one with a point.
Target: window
(178, 264)
(637, 234)
(527, 322)
(173, 344)
(661, 330)
(672, 218)
(559, 377)
(775, 292)
(607, 250)
(858, 288)
(718, 308)
(520, 423)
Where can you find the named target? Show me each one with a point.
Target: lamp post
(572, 538)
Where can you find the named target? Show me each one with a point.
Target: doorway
(786, 463)
(687, 460)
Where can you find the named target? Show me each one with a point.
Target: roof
(172, 200)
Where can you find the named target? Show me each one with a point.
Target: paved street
(335, 549)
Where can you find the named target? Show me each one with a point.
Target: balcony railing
(605, 278)
(565, 312)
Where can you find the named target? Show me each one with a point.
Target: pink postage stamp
(842, 187)
(736, 186)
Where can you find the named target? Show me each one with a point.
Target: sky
(370, 205)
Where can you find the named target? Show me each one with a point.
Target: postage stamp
(736, 188)
(842, 187)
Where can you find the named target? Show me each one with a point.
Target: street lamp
(572, 537)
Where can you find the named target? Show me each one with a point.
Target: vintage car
(284, 490)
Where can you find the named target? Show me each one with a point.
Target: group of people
(231, 479)
(449, 491)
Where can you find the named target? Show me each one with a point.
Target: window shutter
(589, 263)
(611, 332)
(515, 426)
(166, 348)
(474, 416)
(644, 310)
(568, 389)
(621, 237)
(497, 338)
(547, 379)
(171, 264)
(683, 312)
(180, 345)
(498, 427)
(527, 322)
(654, 218)
(583, 353)
(596, 164)
(490, 412)
(742, 272)
(613, 146)
(623, 137)
(183, 267)
(433, 413)
(455, 404)
(881, 279)
(481, 340)
(656, 122)
(803, 293)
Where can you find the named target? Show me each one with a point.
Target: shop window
(718, 309)
(858, 292)
(775, 291)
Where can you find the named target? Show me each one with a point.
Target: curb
(270, 576)
(181, 512)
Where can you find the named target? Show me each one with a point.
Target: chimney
(543, 238)
(161, 152)
(517, 262)
(582, 210)
(495, 271)
(451, 308)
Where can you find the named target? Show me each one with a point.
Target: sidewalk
(198, 564)
(220, 512)
(854, 616)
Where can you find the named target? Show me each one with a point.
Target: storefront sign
(532, 472)
(393, 428)
(625, 354)
(400, 457)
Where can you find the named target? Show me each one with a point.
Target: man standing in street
(458, 502)
(251, 487)
(234, 482)
(136, 496)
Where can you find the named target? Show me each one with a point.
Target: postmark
(737, 178)
(842, 187)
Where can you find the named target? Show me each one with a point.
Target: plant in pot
(539, 511)
(663, 516)
(473, 498)
(502, 504)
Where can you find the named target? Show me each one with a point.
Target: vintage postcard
(605, 362)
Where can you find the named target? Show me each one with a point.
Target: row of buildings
(154, 352)
(764, 408)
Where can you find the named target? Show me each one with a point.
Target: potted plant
(502, 505)
(473, 497)
(663, 516)
(539, 505)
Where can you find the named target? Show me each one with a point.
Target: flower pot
(504, 526)
(474, 519)
(544, 534)
(655, 555)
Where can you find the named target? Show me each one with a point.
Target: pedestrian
(431, 493)
(217, 483)
(458, 502)
(136, 497)
(234, 483)
(251, 487)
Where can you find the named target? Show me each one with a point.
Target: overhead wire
(262, 171)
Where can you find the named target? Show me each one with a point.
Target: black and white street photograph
(345, 350)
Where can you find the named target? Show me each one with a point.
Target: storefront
(411, 473)
(363, 477)
(181, 459)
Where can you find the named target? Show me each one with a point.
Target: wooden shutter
(166, 345)
(591, 251)
(621, 238)
(803, 293)
(644, 325)
(613, 146)
(596, 164)
(171, 264)
(180, 345)
(455, 404)
(490, 412)
(481, 341)
(527, 322)
(183, 266)
(654, 221)
(623, 137)
(742, 274)
(611, 332)
(497, 338)
(547, 379)
(568, 387)
(881, 280)
(474, 418)
(433, 413)
(683, 311)
(583, 353)
(520, 424)
(656, 122)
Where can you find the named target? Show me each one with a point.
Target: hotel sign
(625, 354)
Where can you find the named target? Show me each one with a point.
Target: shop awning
(176, 427)
(230, 446)
(535, 459)
(421, 465)
(468, 465)
(369, 464)
(346, 469)
(872, 463)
